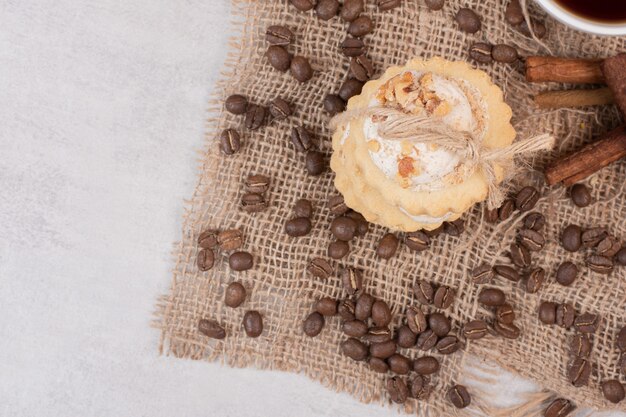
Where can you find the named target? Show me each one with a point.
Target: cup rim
(565, 16)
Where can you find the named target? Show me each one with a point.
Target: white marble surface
(102, 107)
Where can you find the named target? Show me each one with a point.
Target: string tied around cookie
(394, 124)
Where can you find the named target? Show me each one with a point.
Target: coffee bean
(459, 397)
(506, 209)
(455, 228)
(579, 372)
(230, 142)
(253, 323)
(565, 315)
(346, 310)
(505, 314)
(399, 364)
(351, 9)
(609, 246)
(531, 239)
(559, 408)
(381, 314)
(420, 389)
(566, 273)
(434, 232)
(350, 88)
(303, 5)
(253, 202)
(230, 239)
(448, 345)
(338, 249)
(352, 280)
(280, 108)
(507, 330)
(527, 197)
(507, 272)
(538, 27)
(417, 241)
(343, 228)
(424, 292)
(613, 390)
(439, 323)
(298, 226)
(378, 334)
(481, 52)
(313, 324)
(378, 365)
(520, 256)
(256, 116)
(354, 328)
(416, 319)
(279, 35)
(383, 350)
(258, 183)
(491, 215)
(301, 69)
(547, 312)
(208, 239)
(426, 340)
(475, 329)
(491, 297)
(315, 163)
(361, 68)
(337, 206)
(396, 387)
(580, 346)
(591, 237)
(405, 338)
(514, 13)
(426, 365)
(508, 55)
(361, 26)
(320, 268)
(234, 295)
(620, 256)
(362, 226)
(333, 104)
(363, 308)
(303, 208)
(535, 280)
(482, 274)
(354, 349)
(211, 329)
(621, 339)
(600, 264)
(387, 246)
(444, 297)
(327, 9)
(240, 261)
(534, 221)
(326, 306)
(580, 194)
(352, 47)
(571, 238)
(434, 4)
(205, 259)
(587, 323)
(384, 5)
(302, 139)
(236, 104)
(278, 57)
(468, 20)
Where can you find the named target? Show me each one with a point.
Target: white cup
(592, 26)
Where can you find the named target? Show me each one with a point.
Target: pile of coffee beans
(504, 315)
(514, 15)
(300, 224)
(279, 38)
(486, 53)
(607, 250)
(228, 240)
(304, 141)
(254, 199)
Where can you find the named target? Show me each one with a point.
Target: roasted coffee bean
(417, 241)
(514, 13)
(279, 35)
(434, 4)
(302, 139)
(591, 237)
(565, 315)
(352, 280)
(253, 202)
(448, 345)
(278, 57)
(426, 340)
(399, 364)
(468, 20)
(420, 389)
(559, 408)
(253, 323)
(566, 273)
(351, 9)
(571, 238)
(362, 226)
(580, 194)
(256, 116)
(459, 397)
(600, 264)
(336, 205)
(363, 308)
(298, 226)
(505, 314)
(352, 47)
(236, 104)
(534, 221)
(240, 261)
(343, 228)
(304, 5)
(507, 272)
(613, 390)
(378, 365)
(587, 323)
(416, 319)
(481, 52)
(346, 310)
(361, 68)
(621, 339)
(405, 338)
(234, 295)
(491, 297)
(475, 329)
(350, 88)
(384, 5)
(482, 274)
(532, 239)
(327, 9)
(280, 108)
(620, 256)
(609, 246)
(378, 335)
(354, 328)
(579, 372)
(520, 256)
(383, 350)
(315, 163)
(527, 197)
(303, 208)
(434, 232)
(580, 346)
(313, 324)
(439, 324)
(538, 27)
(208, 239)
(301, 69)
(354, 349)
(535, 279)
(257, 183)
(381, 314)
(491, 215)
(230, 142)
(396, 387)
(444, 297)
(426, 365)
(333, 104)
(230, 239)
(507, 330)
(361, 26)
(338, 249)
(506, 209)
(424, 292)
(547, 312)
(508, 55)
(387, 246)
(320, 268)
(211, 328)
(205, 259)
(326, 306)
(455, 228)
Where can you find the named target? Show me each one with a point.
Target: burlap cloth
(279, 286)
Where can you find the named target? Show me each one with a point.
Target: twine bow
(397, 125)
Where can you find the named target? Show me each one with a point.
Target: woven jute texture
(279, 286)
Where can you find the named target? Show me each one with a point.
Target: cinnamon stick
(608, 148)
(563, 70)
(574, 98)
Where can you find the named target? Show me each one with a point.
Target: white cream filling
(423, 218)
